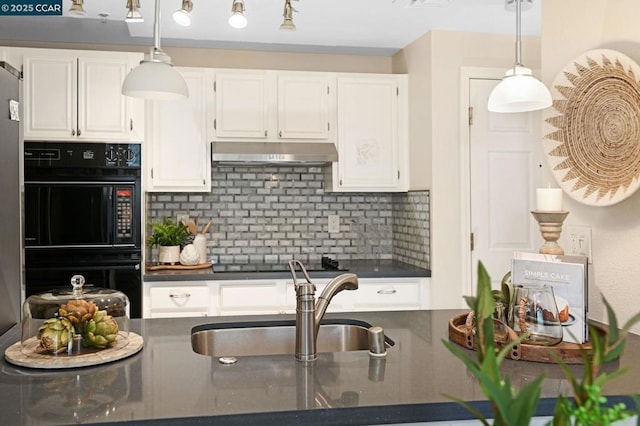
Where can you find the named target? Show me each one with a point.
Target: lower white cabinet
(168, 299)
(178, 299)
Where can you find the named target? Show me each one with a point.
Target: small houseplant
(588, 405)
(170, 237)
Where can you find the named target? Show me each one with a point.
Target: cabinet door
(178, 148)
(242, 103)
(103, 112)
(303, 105)
(250, 297)
(50, 91)
(369, 139)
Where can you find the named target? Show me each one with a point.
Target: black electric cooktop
(326, 264)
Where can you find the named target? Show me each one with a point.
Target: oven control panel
(86, 155)
(124, 214)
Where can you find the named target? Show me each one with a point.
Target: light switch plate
(334, 223)
(579, 241)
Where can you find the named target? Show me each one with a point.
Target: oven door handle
(128, 266)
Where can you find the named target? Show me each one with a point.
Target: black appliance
(82, 216)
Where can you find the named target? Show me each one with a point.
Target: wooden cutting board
(178, 267)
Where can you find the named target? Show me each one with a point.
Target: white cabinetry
(177, 299)
(258, 297)
(372, 133)
(179, 135)
(77, 95)
(274, 106)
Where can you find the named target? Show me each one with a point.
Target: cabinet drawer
(179, 299)
(387, 295)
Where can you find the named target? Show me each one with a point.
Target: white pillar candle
(549, 199)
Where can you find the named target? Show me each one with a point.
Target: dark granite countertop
(363, 268)
(167, 383)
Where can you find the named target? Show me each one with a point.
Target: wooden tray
(461, 334)
(178, 267)
(35, 358)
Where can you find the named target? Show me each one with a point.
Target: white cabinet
(372, 133)
(244, 298)
(274, 106)
(179, 136)
(260, 297)
(177, 299)
(76, 95)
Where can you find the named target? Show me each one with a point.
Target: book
(568, 277)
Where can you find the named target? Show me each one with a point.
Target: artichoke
(56, 335)
(78, 312)
(100, 331)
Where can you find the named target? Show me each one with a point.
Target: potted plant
(587, 407)
(170, 238)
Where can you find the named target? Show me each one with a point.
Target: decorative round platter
(592, 132)
(35, 358)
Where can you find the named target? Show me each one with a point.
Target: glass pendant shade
(133, 14)
(519, 91)
(77, 9)
(155, 80)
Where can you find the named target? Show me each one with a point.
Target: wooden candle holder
(550, 224)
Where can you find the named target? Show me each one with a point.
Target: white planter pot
(169, 254)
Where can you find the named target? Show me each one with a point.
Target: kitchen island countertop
(167, 383)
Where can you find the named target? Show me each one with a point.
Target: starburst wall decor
(592, 131)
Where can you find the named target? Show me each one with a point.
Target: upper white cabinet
(77, 95)
(179, 136)
(273, 106)
(372, 133)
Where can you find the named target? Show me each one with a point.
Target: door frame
(466, 75)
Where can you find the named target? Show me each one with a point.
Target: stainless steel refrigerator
(11, 160)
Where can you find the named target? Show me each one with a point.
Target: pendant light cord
(156, 28)
(518, 38)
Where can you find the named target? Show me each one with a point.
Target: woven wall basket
(592, 132)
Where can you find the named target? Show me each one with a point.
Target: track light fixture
(182, 16)
(288, 24)
(77, 8)
(237, 18)
(133, 15)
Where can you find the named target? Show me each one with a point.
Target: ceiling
(374, 27)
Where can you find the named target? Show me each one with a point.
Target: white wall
(570, 28)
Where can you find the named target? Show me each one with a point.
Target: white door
(504, 172)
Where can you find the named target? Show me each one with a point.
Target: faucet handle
(292, 267)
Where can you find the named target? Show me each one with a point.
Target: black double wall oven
(82, 216)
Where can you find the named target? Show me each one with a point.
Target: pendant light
(519, 90)
(155, 77)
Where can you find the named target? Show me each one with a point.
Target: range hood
(278, 153)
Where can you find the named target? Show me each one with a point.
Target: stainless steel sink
(277, 338)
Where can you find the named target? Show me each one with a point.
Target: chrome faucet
(309, 313)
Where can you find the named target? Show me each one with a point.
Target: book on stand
(568, 277)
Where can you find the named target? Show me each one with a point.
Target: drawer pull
(387, 291)
(180, 295)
